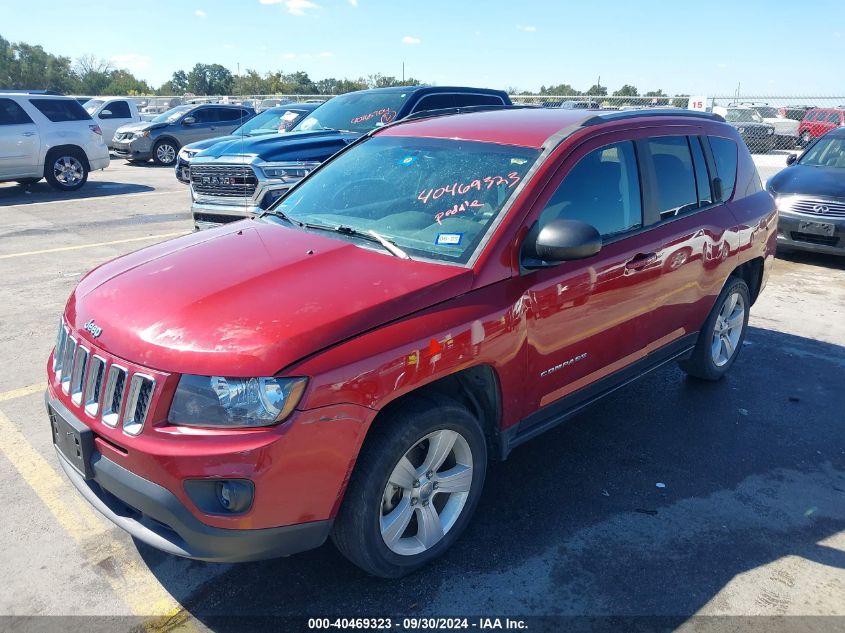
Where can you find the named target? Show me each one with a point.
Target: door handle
(28, 134)
(640, 261)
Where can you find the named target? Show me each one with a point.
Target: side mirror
(105, 114)
(791, 159)
(561, 240)
(188, 120)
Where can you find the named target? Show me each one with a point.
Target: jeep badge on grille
(93, 329)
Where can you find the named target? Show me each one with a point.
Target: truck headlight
(187, 154)
(218, 401)
(287, 171)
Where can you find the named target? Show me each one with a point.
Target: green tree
(680, 101)
(122, 82)
(562, 90)
(596, 91)
(209, 79)
(626, 91)
(657, 97)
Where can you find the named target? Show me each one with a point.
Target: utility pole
(403, 72)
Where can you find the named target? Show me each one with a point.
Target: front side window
(205, 115)
(674, 175)
(355, 111)
(742, 115)
(833, 117)
(119, 110)
(60, 110)
(12, 114)
(603, 189)
(828, 152)
(434, 198)
(725, 157)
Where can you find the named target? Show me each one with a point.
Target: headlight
(217, 401)
(188, 154)
(141, 134)
(287, 171)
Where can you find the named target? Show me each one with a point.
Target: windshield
(828, 152)
(269, 122)
(767, 112)
(356, 111)
(92, 105)
(740, 115)
(172, 115)
(433, 198)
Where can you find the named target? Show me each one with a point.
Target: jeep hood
(290, 146)
(250, 298)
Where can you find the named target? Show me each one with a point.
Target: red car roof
(529, 127)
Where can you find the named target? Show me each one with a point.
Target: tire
(165, 152)
(27, 181)
(413, 436)
(66, 170)
(717, 349)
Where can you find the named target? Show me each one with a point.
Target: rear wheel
(66, 170)
(414, 488)
(723, 333)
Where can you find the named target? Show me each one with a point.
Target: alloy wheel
(68, 171)
(728, 329)
(426, 492)
(165, 153)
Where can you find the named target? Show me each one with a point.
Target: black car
(810, 195)
(758, 135)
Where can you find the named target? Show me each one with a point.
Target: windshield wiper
(370, 235)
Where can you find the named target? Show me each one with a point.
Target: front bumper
(136, 149)
(154, 515)
(793, 233)
(182, 168)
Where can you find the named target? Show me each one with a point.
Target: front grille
(216, 218)
(822, 208)
(223, 180)
(101, 387)
(810, 238)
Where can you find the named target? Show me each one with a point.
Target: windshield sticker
(479, 184)
(458, 208)
(408, 160)
(386, 116)
(449, 239)
(518, 161)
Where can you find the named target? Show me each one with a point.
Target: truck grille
(101, 387)
(823, 208)
(223, 180)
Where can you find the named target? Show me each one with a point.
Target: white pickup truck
(112, 112)
(786, 130)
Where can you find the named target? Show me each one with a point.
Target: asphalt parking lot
(750, 521)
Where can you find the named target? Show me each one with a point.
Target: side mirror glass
(791, 159)
(561, 240)
(188, 120)
(105, 114)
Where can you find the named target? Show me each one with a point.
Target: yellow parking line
(83, 246)
(135, 584)
(23, 391)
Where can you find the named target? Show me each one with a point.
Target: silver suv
(161, 138)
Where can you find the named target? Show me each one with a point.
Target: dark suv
(161, 138)
(426, 300)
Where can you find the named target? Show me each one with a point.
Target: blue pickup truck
(243, 176)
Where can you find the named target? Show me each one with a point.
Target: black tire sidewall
(368, 488)
(158, 144)
(50, 162)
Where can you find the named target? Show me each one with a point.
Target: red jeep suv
(436, 294)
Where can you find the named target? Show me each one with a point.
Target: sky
(702, 48)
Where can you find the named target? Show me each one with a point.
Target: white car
(112, 112)
(48, 136)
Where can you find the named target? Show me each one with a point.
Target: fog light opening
(234, 496)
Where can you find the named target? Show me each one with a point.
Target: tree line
(29, 66)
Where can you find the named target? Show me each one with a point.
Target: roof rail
(602, 116)
(24, 91)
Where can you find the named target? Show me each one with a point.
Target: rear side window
(119, 110)
(603, 189)
(230, 114)
(435, 102)
(725, 157)
(463, 100)
(833, 117)
(674, 174)
(59, 110)
(12, 114)
(820, 116)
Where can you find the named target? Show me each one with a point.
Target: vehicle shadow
(574, 524)
(42, 192)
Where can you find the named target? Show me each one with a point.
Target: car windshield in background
(357, 111)
(92, 105)
(767, 112)
(829, 152)
(269, 123)
(740, 115)
(433, 198)
(172, 115)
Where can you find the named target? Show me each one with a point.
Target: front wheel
(164, 153)
(414, 488)
(722, 335)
